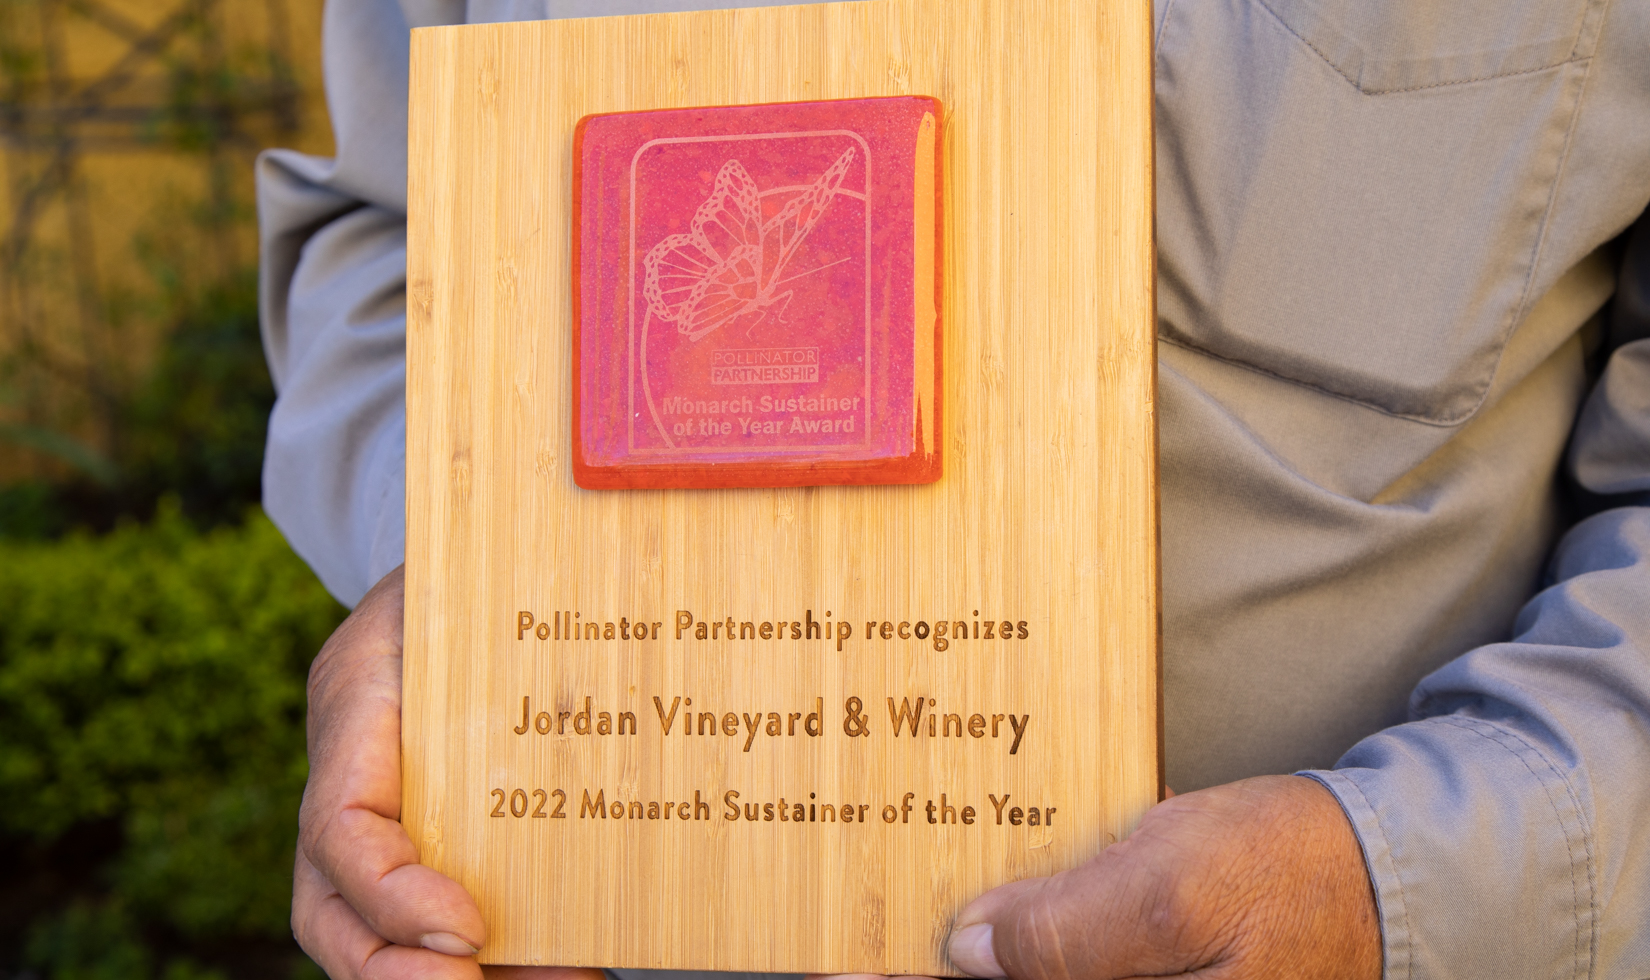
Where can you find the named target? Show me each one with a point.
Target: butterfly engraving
(730, 263)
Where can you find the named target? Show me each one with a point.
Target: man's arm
(334, 268)
(1256, 879)
(334, 305)
(1504, 825)
(362, 905)
(1502, 829)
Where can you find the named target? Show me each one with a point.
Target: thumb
(1046, 928)
(973, 943)
(1110, 917)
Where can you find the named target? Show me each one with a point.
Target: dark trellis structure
(174, 87)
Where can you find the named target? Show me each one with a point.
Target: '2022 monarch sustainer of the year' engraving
(943, 811)
(757, 295)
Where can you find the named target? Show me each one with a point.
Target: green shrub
(190, 428)
(195, 426)
(152, 746)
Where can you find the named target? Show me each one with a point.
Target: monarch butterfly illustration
(731, 261)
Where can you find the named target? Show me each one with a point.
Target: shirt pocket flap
(1380, 248)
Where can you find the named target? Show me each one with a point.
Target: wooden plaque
(901, 695)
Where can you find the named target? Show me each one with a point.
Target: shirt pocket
(1352, 193)
(1387, 47)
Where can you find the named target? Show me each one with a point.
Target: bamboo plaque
(795, 727)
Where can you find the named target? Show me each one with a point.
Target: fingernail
(971, 951)
(446, 942)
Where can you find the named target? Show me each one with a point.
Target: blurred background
(155, 631)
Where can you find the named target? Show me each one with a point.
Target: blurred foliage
(192, 427)
(198, 422)
(130, 365)
(155, 630)
(152, 749)
(155, 636)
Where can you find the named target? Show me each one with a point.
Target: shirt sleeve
(1504, 826)
(334, 256)
(333, 304)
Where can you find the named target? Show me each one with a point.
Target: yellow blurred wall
(130, 181)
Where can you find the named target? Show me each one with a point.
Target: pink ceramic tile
(756, 295)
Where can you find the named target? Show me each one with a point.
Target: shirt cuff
(1478, 849)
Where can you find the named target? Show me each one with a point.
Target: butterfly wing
(784, 233)
(726, 226)
(673, 269)
(732, 216)
(723, 294)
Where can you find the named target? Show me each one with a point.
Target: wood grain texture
(1046, 512)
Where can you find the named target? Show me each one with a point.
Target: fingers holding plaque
(757, 295)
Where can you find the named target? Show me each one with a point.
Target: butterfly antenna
(810, 272)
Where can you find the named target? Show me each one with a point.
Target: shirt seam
(1337, 783)
(1575, 828)
(1444, 423)
(1585, 952)
(1555, 66)
(1525, 300)
(1162, 28)
(1359, 87)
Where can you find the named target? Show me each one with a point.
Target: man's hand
(1257, 879)
(362, 905)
